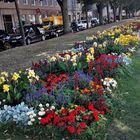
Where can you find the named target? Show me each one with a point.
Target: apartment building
(32, 11)
(74, 10)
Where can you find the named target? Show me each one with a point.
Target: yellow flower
(15, 76)
(80, 54)
(128, 54)
(89, 57)
(6, 88)
(31, 73)
(67, 57)
(89, 38)
(74, 64)
(2, 80)
(91, 50)
(100, 45)
(53, 59)
(5, 74)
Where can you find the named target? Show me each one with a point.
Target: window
(40, 3)
(45, 2)
(50, 2)
(55, 2)
(33, 2)
(25, 2)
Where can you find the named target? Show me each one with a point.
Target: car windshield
(84, 21)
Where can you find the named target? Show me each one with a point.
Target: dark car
(74, 26)
(33, 33)
(4, 40)
(94, 22)
(55, 31)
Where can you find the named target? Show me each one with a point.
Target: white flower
(47, 105)
(40, 105)
(52, 107)
(34, 115)
(37, 77)
(41, 113)
(32, 120)
(31, 116)
(42, 109)
(30, 123)
(4, 100)
(39, 118)
(28, 113)
(95, 44)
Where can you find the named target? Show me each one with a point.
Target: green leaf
(18, 96)
(9, 98)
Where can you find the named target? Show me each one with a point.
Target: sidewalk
(22, 57)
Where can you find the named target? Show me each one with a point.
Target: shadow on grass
(127, 125)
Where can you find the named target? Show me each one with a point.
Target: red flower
(61, 124)
(83, 125)
(78, 130)
(76, 80)
(80, 109)
(87, 117)
(95, 114)
(64, 111)
(71, 129)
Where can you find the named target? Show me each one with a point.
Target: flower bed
(70, 92)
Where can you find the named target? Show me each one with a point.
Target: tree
(19, 19)
(64, 9)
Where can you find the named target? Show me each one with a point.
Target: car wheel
(57, 34)
(43, 38)
(28, 41)
(7, 45)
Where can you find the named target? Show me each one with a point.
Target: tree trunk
(100, 12)
(114, 13)
(64, 9)
(129, 14)
(133, 13)
(108, 14)
(126, 13)
(120, 13)
(65, 16)
(20, 23)
(86, 12)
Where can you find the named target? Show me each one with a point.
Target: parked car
(5, 42)
(33, 33)
(74, 26)
(55, 31)
(82, 24)
(94, 22)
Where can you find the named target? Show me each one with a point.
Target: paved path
(22, 57)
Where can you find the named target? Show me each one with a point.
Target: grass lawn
(127, 125)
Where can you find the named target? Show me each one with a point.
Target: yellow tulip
(6, 88)
(2, 80)
(15, 76)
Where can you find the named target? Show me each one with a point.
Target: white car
(82, 24)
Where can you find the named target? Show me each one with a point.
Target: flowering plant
(13, 88)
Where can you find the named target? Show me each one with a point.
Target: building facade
(74, 10)
(31, 11)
